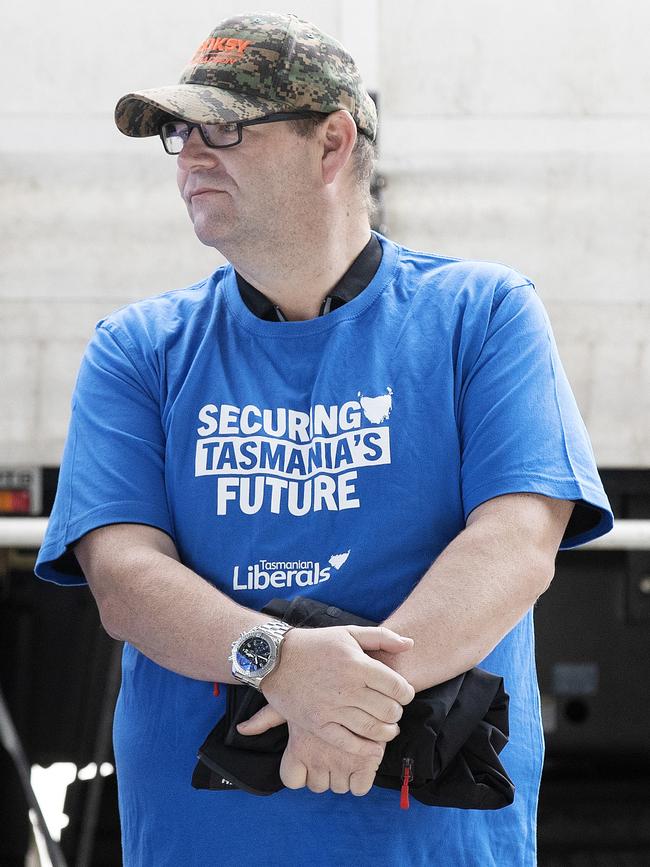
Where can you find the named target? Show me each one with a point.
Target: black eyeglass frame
(240, 124)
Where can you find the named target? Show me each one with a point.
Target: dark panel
(592, 657)
(593, 652)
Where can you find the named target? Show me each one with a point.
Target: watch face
(253, 654)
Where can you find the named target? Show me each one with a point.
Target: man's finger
(389, 682)
(339, 782)
(380, 638)
(361, 782)
(318, 780)
(293, 772)
(377, 704)
(340, 737)
(367, 726)
(262, 721)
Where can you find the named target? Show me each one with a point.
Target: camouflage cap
(250, 66)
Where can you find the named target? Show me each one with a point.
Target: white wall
(510, 130)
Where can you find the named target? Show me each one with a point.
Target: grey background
(511, 131)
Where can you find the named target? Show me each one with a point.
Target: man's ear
(339, 137)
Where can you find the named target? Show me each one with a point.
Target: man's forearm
(476, 591)
(148, 598)
(325, 682)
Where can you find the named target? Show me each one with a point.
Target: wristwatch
(256, 653)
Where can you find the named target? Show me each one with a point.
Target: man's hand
(328, 686)
(312, 762)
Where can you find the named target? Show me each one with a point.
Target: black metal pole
(11, 742)
(101, 753)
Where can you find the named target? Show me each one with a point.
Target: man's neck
(299, 275)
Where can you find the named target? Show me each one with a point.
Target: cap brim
(141, 113)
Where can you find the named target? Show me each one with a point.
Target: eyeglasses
(174, 133)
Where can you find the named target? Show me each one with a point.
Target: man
(329, 414)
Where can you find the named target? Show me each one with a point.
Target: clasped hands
(341, 706)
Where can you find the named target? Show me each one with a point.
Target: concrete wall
(511, 131)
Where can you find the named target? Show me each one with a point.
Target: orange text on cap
(208, 51)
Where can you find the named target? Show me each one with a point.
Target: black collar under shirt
(351, 284)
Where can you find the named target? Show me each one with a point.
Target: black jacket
(451, 733)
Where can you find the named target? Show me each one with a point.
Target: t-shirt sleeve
(520, 427)
(112, 469)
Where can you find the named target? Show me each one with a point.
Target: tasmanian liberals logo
(286, 573)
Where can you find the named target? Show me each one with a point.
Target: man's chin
(211, 235)
(209, 240)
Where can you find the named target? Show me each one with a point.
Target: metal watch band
(277, 628)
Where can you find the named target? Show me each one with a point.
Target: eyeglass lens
(219, 135)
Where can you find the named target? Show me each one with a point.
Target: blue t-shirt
(334, 457)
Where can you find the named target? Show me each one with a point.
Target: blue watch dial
(253, 654)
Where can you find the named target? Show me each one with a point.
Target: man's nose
(195, 152)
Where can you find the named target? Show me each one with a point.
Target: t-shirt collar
(351, 284)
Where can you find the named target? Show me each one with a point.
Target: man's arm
(478, 589)
(325, 680)
(147, 597)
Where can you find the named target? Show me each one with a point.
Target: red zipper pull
(407, 777)
(215, 689)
